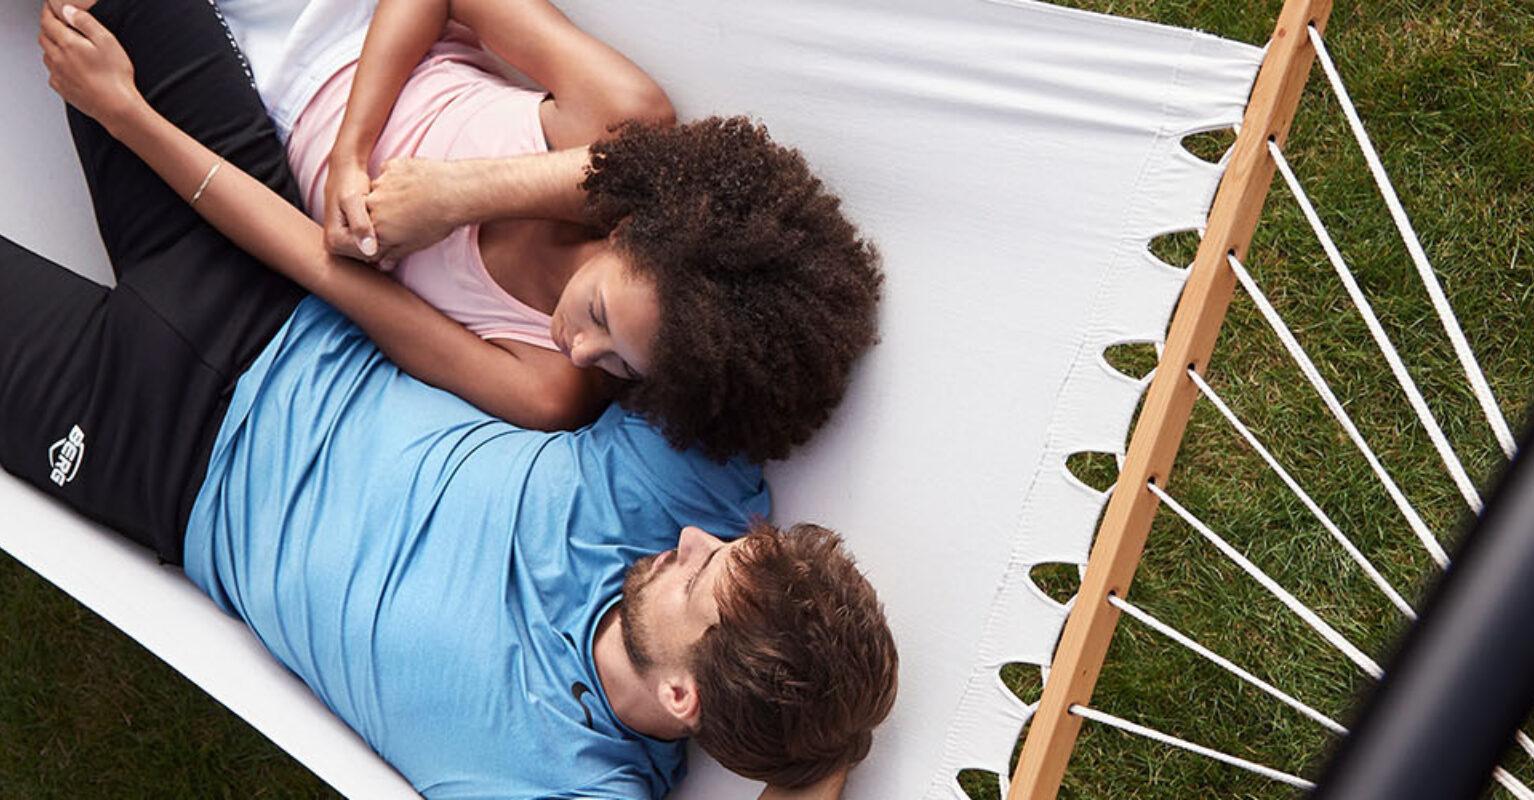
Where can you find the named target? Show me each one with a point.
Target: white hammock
(1011, 159)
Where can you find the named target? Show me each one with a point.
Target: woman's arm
(537, 389)
(594, 86)
(398, 37)
(415, 203)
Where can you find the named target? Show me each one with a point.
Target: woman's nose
(583, 351)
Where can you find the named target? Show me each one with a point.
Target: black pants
(110, 398)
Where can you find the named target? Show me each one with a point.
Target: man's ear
(678, 695)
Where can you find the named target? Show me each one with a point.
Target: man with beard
(475, 599)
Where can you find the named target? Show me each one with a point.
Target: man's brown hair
(800, 667)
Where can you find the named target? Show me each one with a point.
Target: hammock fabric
(1011, 159)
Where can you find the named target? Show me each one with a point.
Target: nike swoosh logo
(577, 689)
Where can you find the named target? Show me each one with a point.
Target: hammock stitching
(1392, 357)
(1327, 632)
(1413, 519)
(1326, 521)
(1168, 739)
(1446, 315)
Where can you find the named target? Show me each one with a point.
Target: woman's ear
(619, 229)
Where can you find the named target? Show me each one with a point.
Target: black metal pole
(1463, 681)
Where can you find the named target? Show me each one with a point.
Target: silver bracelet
(213, 170)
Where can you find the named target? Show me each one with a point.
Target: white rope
(1518, 789)
(1524, 742)
(1512, 784)
(1502, 776)
(1451, 325)
(1219, 661)
(1326, 521)
(1413, 519)
(1294, 604)
(1168, 739)
(1392, 357)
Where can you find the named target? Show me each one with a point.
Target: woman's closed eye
(615, 364)
(619, 366)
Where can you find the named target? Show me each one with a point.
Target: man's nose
(695, 540)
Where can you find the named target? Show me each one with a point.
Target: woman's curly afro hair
(767, 293)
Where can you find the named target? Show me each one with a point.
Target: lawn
(1448, 92)
(1448, 95)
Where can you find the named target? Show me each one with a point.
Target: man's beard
(637, 639)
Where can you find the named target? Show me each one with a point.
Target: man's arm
(532, 388)
(828, 788)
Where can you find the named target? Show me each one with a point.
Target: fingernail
(369, 245)
(69, 14)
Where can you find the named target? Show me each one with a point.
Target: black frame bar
(1463, 680)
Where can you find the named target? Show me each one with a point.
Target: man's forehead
(721, 567)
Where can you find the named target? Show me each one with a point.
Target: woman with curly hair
(586, 246)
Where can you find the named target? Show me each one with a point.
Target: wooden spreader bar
(1164, 416)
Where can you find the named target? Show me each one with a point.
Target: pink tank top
(455, 105)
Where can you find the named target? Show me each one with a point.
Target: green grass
(1447, 91)
(86, 712)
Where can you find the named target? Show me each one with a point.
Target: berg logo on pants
(65, 456)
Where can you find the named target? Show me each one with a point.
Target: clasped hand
(410, 205)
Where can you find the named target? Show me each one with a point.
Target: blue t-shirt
(436, 575)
